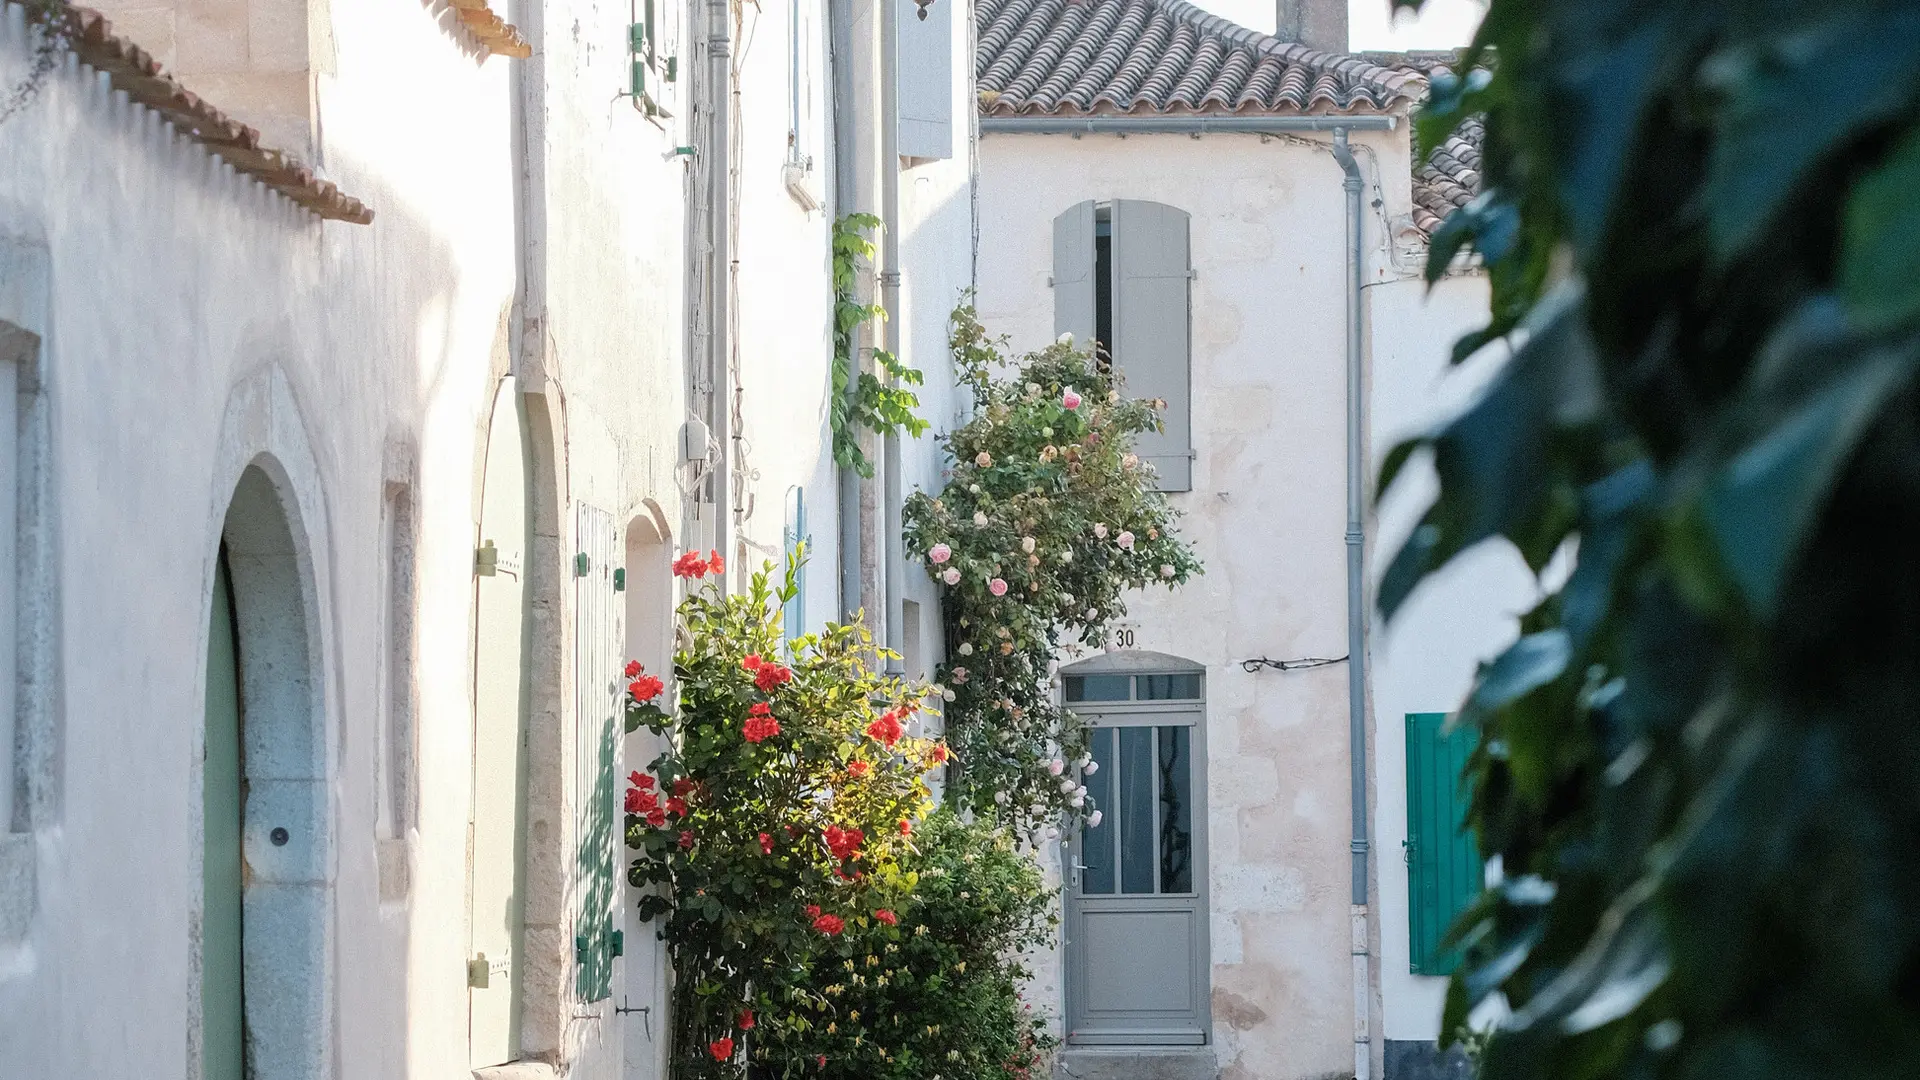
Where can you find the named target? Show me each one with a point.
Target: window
(1122, 276)
(651, 40)
(799, 172)
(1183, 686)
(923, 78)
(1444, 871)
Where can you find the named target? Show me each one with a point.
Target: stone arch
(263, 571)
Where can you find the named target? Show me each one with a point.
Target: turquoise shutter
(1444, 871)
(600, 713)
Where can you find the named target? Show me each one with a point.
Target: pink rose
(951, 576)
(997, 587)
(1070, 399)
(1125, 540)
(940, 553)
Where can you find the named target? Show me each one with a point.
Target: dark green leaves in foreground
(1698, 764)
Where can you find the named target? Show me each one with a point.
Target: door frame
(1153, 713)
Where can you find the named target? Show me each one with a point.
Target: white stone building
(353, 447)
(1185, 191)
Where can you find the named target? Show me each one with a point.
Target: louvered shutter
(1073, 292)
(599, 722)
(1152, 333)
(1444, 871)
(923, 78)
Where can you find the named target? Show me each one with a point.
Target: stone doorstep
(1137, 1063)
(516, 1070)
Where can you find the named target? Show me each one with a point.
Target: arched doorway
(265, 831)
(502, 693)
(1138, 965)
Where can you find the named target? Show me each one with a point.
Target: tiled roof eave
(133, 70)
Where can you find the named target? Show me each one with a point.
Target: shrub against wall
(933, 993)
(1047, 518)
(774, 821)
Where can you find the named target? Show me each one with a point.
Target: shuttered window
(1444, 871)
(1125, 271)
(598, 719)
(924, 78)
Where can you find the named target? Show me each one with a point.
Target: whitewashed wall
(1267, 516)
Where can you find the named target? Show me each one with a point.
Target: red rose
(770, 676)
(682, 786)
(716, 564)
(856, 768)
(829, 924)
(760, 708)
(752, 662)
(689, 565)
(906, 827)
(657, 817)
(887, 917)
(939, 753)
(721, 1048)
(645, 688)
(766, 844)
(760, 727)
(640, 780)
(820, 1060)
(844, 843)
(886, 730)
(677, 807)
(686, 839)
(636, 803)
(634, 667)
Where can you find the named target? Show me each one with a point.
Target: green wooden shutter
(924, 78)
(223, 1025)
(1152, 335)
(1444, 871)
(598, 686)
(1073, 300)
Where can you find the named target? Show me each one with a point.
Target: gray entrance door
(1137, 946)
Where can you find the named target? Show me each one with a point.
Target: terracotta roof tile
(133, 70)
(1450, 177)
(1052, 57)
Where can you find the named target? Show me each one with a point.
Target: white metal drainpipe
(720, 278)
(1356, 617)
(894, 551)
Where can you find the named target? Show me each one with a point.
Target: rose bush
(776, 816)
(1047, 518)
(930, 990)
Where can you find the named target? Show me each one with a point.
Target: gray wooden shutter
(1152, 333)
(924, 78)
(599, 717)
(1073, 298)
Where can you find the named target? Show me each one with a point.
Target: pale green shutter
(598, 686)
(923, 77)
(1073, 292)
(222, 1024)
(1444, 871)
(1152, 332)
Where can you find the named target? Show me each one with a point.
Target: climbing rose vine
(775, 818)
(1047, 518)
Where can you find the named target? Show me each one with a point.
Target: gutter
(1356, 614)
(1182, 125)
(893, 623)
(720, 277)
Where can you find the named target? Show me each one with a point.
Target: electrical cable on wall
(1302, 663)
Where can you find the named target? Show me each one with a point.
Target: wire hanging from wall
(1297, 664)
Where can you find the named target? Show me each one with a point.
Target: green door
(222, 1036)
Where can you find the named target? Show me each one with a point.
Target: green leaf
(1880, 258)
(1760, 507)
(1530, 663)
(1797, 100)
